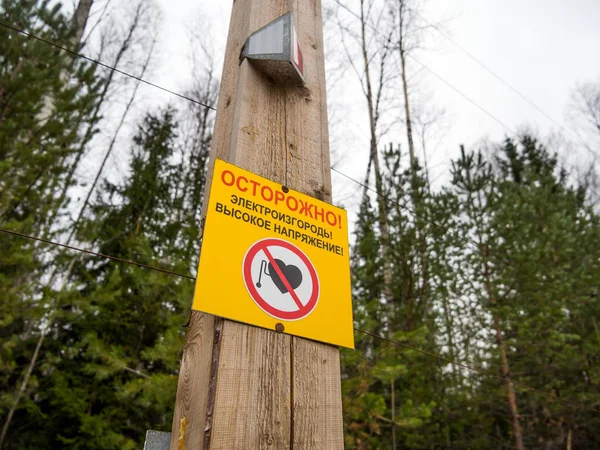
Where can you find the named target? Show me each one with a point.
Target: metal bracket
(274, 49)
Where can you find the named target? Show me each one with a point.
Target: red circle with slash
(263, 301)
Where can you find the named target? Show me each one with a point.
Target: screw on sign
(288, 266)
(281, 279)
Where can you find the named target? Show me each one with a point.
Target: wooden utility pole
(243, 387)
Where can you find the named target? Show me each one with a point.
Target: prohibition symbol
(281, 279)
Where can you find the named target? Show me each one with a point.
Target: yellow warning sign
(274, 257)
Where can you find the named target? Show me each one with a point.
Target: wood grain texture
(267, 390)
(252, 407)
(192, 388)
(317, 397)
(316, 389)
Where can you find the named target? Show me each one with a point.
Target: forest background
(492, 263)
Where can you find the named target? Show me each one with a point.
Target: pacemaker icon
(292, 274)
(281, 279)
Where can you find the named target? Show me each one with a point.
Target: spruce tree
(527, 280)
(111, 357)
(45, 100)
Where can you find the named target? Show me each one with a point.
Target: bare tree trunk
(382, 207)
(112, 143)
(365, 194)
(80, 18)
(409, 126)
(22, 388)
(425, 161)
(451, 345)
(510, 391)
(394, 444)
(421, 233)
(596, 329)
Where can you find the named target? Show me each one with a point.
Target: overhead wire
(368, 333)
(594, 154)
(438, 76)
(503, 81)
(79, 55)
(106, 66)
(172, 273)
(90, 252)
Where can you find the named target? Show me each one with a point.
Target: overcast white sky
(541, 47)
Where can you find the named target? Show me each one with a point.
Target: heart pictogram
(291, 273)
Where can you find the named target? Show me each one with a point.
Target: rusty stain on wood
(181, 439)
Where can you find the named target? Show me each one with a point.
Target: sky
(541, 48)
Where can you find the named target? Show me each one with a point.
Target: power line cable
(168, 272)
(210, 107)
(101, 64)
(465, 96)
(397, 343)
(90, 252)
(438, 76)
(503, 81)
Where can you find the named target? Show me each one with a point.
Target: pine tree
(111, 356)
(501, 284)
(526, 280)
(34, 148)
(393, 393)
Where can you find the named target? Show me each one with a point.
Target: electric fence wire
(481, 64)
(99, 255)
(376, 336)
(101, 64)
(210, 107)
(214, 109)
(168, 272)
